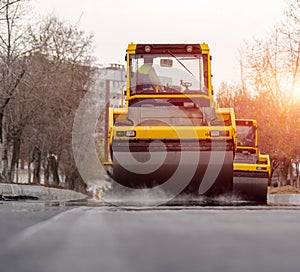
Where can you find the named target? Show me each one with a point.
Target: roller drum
(253, 187)
(184, 171)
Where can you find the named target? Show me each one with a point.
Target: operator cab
(246, 136)
(174, 73)
(167, 74)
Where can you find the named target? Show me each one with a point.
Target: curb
(284, 199)
(43, 193)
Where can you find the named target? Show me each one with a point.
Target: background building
(110, 83)
(112, 80)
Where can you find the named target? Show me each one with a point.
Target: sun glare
(297, 91)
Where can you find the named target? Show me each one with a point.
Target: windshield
(246, 135)
(166, 74)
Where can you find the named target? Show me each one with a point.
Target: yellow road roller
(171, 137)
(251, 168)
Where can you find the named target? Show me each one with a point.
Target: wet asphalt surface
(15, 216)
(38, 237)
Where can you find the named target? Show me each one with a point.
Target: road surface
(112, 239)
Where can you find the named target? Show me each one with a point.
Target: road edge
(41, 192)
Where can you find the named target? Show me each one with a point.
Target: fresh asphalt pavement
(36, 237)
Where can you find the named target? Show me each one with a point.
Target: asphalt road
(164, 239)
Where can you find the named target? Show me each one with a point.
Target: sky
(224, 25)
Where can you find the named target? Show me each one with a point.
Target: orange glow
(296, 91)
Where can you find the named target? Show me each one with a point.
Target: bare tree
(289, 30)
(269, 79)
(45, 71)
(61, 70)
(12, 51)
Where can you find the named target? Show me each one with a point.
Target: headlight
(147, 48)
(127, 133)
(130, 133)
(189, 49)
(120, 133)
(260, 168)
(218, 133)
(214, 133)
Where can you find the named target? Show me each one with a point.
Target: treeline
(45, 70)
(269, 89)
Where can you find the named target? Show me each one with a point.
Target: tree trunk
(283, 171)
(15, 157)
(80, 186)
(1, 126)
(297, 174)
(70, 180)
(54, 169)
(36, 165)
(1, 144)
(46, 171)
(17, 172)
(4, 158)
(75, 182)
(29, 170)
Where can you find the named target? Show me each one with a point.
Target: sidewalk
(43, 193)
